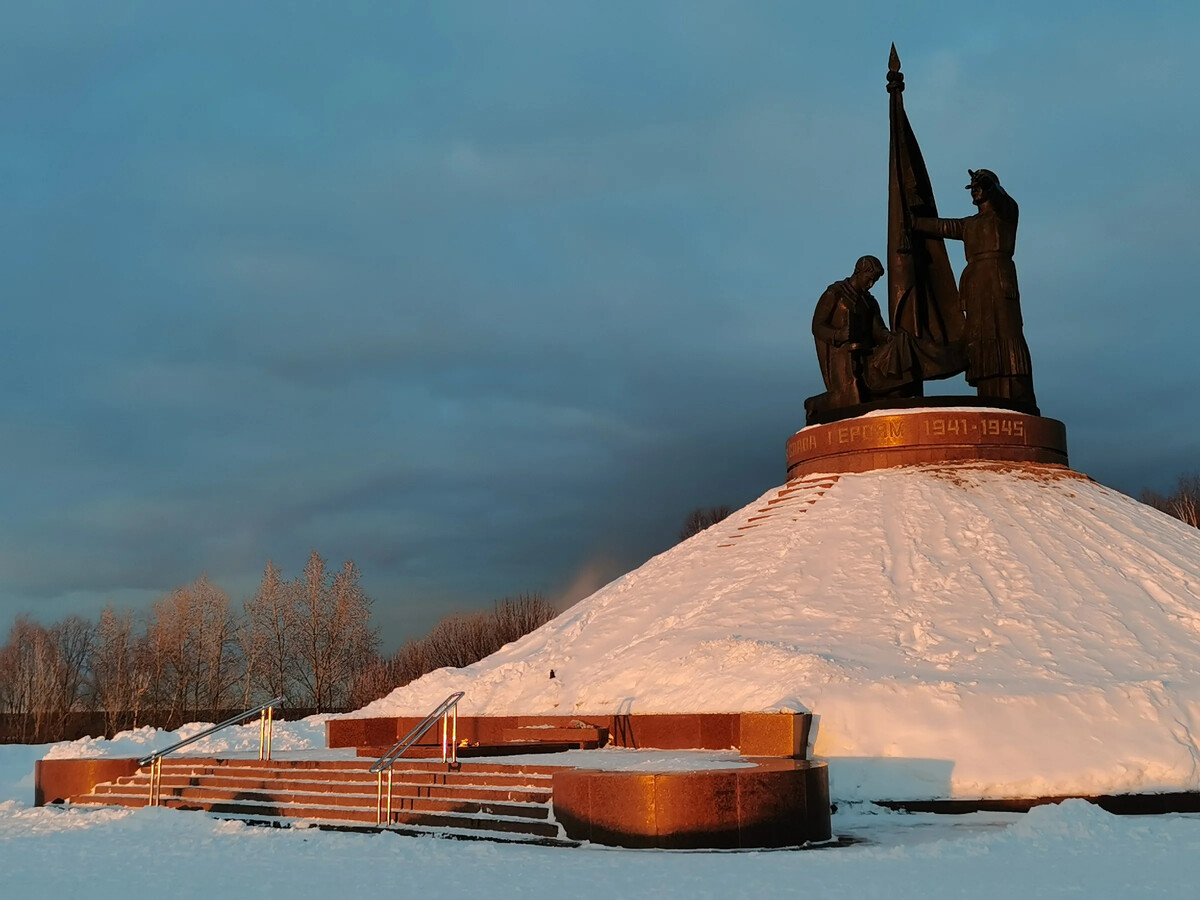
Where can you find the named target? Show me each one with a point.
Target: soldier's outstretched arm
(943, 228)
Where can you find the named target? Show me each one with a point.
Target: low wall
(60, 780)
(753, 734)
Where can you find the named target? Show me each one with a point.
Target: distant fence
(44, 728)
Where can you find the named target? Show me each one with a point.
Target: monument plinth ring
(881, 441)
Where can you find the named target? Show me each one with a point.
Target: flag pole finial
(895, 78)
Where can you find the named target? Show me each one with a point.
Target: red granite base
(60, 780)
(753, 734)
(774, 803)
(921, 437)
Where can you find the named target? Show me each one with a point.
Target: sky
(487, 296)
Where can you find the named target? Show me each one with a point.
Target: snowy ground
(1062, 851)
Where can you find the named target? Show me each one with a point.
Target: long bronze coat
(847, 326)
(994, 332)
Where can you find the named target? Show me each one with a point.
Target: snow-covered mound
(958, 630)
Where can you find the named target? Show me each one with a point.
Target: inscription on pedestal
(858, 445)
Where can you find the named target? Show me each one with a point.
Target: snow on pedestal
(958, 631)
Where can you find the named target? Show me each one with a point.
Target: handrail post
(155, 781)
(262, 734)
(454, 741)
(270, 729)
(379, 805)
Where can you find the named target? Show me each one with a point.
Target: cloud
(488, 300)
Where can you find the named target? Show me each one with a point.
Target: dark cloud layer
(487, 297)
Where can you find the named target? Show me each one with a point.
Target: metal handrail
(447, 711)
(266, 734)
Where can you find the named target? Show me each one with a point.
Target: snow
(306, 740)
(619, 759)
(875, 413)
(958, 631)
(1073, 849)
(306, 734)
(16, 770)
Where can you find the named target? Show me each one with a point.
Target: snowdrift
(957, 630)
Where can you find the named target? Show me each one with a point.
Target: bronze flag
(922, 295)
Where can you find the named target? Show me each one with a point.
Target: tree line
(193, 655)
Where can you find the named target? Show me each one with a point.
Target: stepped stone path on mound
(793, 499)
(476, 801)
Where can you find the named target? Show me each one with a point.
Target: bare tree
(372, 682)
(312, 633)
(114, 686)
(268, 637)
(465, 638)
(11, 676)
(73, 638)
(43, 672)
(383, 675)
(25, 675)
(1183, 503)
(459, 640)
(168, 642)
(357, 643)
(516, 616)
(218, 667)
(334, 634)
(151, 652)
(699, 519)
(190, 638)
(409, 663)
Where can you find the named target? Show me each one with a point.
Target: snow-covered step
(210, 798)
(449, 791)
(790, 501)
(483, 800)
(206, 798)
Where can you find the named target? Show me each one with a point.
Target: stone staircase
(789, 503)
(477, 800)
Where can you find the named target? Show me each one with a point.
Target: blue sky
(487, 296)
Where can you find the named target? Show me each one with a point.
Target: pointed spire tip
(894, 60)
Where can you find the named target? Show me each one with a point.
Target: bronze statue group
(936, 330)
(856, 350)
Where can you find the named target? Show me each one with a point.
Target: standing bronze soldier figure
(998, 362)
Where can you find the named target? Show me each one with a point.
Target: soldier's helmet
(985, 178)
